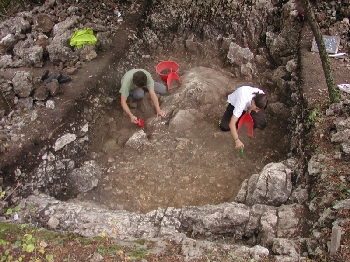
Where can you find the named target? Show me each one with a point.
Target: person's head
(139, 79)
(260, 101)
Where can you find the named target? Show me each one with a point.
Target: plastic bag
(83, 37)
(344, 87)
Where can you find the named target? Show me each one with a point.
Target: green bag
(83, 37)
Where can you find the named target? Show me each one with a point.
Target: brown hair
(139, 79)
(260, 100)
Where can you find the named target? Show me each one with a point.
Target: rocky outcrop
(273, 186)
(266, 226)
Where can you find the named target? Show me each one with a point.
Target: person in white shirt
(245, 99)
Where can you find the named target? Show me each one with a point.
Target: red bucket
(246, 120)
(172, 76)
(164, 68)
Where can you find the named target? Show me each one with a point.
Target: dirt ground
(209, 169)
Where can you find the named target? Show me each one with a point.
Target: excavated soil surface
(197, 167)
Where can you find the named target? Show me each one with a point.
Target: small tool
(141, 123)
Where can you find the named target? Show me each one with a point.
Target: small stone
(53, 222)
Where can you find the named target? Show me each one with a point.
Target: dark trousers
(258, 119)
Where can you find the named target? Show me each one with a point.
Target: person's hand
(133, 119)
(239, 144)
(161, 113)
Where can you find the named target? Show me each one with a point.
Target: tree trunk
(332, 92)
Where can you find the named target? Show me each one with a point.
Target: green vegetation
(312, 196)
(22, 243)
(314, 113)
(315, 117)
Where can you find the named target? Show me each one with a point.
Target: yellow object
(83, 37)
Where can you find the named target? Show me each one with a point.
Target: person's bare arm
(126, 109)
(234, 133)
(156, 103)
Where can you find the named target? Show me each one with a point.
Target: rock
(345, 146)
(7, 43)
(341, 136)
(282, 246)
(41, 93)
(53, 223)
(29, 53)
(23, 83)
(25, 103)
(86, 53)
(238, 55)
(183, 119)
(85, 178)
(261, 189)
(289, 220)
(299, 195)
(138, 139)
(3, 206)
(315, 165)
(343, 204)
(64, 140)
(335, 240)
(50, 104)
(43, 23)
(54, 88)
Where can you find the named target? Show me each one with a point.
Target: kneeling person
(245, 99)
(134, 83)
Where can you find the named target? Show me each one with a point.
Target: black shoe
(64, 79)
(44, 75)
(53, 76)
(224, 129)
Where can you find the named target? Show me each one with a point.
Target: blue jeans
(138, 93)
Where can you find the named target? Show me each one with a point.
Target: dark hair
(139, 79)
(260, 100)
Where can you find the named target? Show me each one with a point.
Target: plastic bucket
(246, 120)
(172, 76)
(164, 68)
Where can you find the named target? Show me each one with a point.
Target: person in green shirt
(134, 83)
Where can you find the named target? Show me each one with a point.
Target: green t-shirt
(127, 83)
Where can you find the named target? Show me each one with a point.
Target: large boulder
(272, 186)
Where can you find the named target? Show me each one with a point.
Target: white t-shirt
(241, 98)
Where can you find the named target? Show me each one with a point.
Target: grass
(23, 243)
